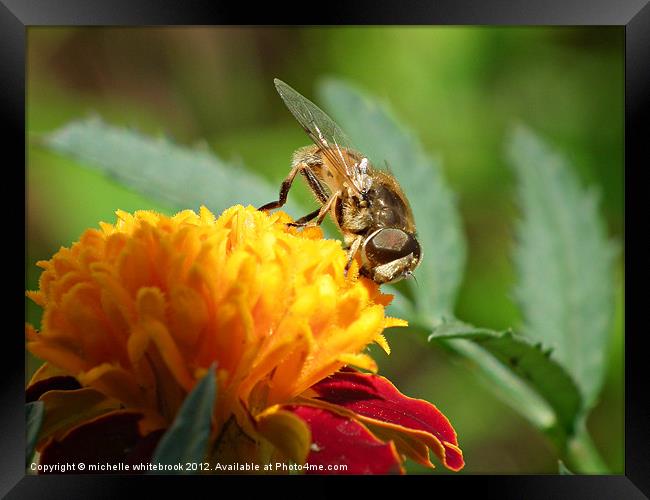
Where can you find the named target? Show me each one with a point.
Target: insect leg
(304, 220)
(284, 188)
(314, 185)
(322, 212)
(318, 191)
(354, 248)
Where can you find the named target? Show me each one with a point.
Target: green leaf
(562, 469)
(377, 133)
(564, 262)
(187, 438)
(506, 385)
(34, 418)
(178, 176)
(530, 363)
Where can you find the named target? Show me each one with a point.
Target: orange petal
(170, 353)
(45, 371)
(116, 382)
(65, 410)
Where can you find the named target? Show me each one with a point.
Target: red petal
(376, 401)
(341, 441)
(59, 382)
(110, 439)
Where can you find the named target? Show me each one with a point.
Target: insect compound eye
(389, 244)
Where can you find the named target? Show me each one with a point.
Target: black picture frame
(632, 15)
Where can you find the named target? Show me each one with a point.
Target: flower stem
(583, 455)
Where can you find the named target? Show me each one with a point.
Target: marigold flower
(136, 312)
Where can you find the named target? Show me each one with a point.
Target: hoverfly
(367, 204)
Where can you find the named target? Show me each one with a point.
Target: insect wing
(323, 131)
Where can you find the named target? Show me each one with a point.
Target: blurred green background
(458, 88)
